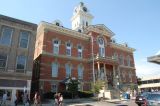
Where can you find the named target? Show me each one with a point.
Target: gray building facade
(17, 44)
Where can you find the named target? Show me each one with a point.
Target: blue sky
(136, 22)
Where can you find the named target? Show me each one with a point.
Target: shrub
(85, 94)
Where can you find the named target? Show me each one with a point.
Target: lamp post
(93, 60)
(117, 77)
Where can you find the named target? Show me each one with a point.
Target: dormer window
(57, 23)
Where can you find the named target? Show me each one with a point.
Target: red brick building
(86, 52)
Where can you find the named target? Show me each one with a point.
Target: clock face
(84, 9)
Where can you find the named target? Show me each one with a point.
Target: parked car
(142, 98)
(153, 99)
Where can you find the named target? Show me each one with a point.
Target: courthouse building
(86, 52)
(17, 40)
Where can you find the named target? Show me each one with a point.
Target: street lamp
(93, 60)
(118, 85)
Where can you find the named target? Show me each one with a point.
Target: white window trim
(56, 45)
(3, 35)
(80, 51)
(6, 63)
(70, 71)
(68, 48)
(82, 69)
(27, 42)
(57, 69)
(24, 64)
(101, 46)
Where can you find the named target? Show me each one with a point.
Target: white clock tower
(81, 17)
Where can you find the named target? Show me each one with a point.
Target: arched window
(128, 61)
(68, 49)
(56, 47)
(68, 70)
(54, 69)
(101, 47)
(79, 51)
(80, 72)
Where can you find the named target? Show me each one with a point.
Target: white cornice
(121, 47)
(104, 30)
(59, 29)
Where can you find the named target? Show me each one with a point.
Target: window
(101, 47)
(68, 49)
(115, 56)
(79, 51)
(3, 61)
(54, 88)
(121, 60)
(21, 62)
(6, 35)
(80, 72)
(54, 69)
(128, 61)
(68, 70)
(86, 23)
(24, 39)
(56, 47)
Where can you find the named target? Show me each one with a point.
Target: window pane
(68, 52)
(56, 50)
(80, 73)
(21, 61)
(80, 54)
(24, 37)
(54, 70)
(68, 71)
(6, 35)
(54, 88)
(56, 47)
(3, 60)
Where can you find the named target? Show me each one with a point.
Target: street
(104, 103)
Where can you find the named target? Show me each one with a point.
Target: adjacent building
(17, 40)
(86, 52)
(151, 83)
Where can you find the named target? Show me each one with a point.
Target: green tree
(72, 86)
(97, 86)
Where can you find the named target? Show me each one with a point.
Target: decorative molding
(48, 26)
(64, 56)
(129, 67)
(101, 29)
(122, 47)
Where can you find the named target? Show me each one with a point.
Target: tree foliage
(72, 86)
(97, 86)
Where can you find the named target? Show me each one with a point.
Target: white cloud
(144, 68)
(158, 53)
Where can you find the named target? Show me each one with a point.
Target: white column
(98, 70)
(106, 80)
(114, 77)
(13, 97)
